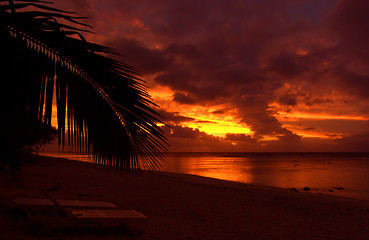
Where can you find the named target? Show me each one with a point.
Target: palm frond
(31, 4)
(102, 104)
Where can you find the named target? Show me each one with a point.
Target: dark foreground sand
(181, 206)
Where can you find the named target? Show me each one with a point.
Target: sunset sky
(246, 75)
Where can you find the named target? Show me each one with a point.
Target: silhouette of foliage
(101, 103)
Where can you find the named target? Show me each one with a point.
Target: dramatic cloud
(174, 118)
(240, 138)
(146, 60)
(358, 142)
(275, 71)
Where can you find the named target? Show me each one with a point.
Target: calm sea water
(344, 174)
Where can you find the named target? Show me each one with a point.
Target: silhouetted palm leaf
(102, 105)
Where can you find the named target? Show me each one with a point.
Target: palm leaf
(102, 104)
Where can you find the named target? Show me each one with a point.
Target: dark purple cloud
(174, 118)
(289, 99)
(185, 132)
(287, 65)
(305, 55)
(177, 131)
(146, 60)
(177, 79)
(348, 23)
(349, 20)
(221, 111)
(240, 138)
(357, 142)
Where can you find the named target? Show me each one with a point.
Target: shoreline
(184, 206)
(209, 180)
(332, 189)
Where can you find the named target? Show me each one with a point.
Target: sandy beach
(180, 206)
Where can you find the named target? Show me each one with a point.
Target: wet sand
(180, 206)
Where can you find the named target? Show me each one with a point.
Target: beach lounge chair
(41, 202)
(108, 215)
(77, 208)
(54, 213)
(85, 217)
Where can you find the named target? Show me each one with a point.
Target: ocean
(342, 174)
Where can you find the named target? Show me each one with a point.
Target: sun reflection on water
(320, 174)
